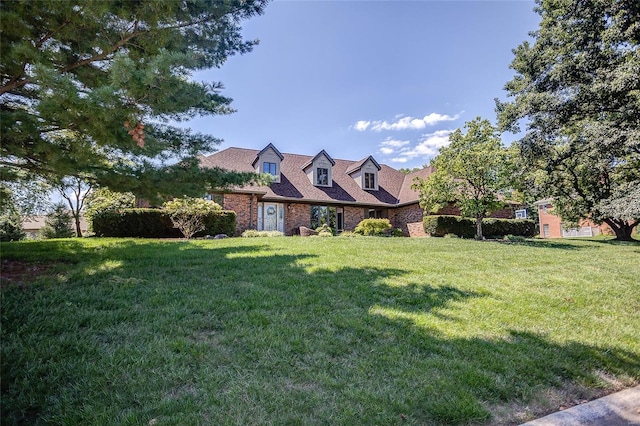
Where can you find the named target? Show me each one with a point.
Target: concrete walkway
(618, 409)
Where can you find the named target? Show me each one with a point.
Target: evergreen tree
(58, 223)
(89, 88)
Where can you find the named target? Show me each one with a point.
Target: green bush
(325, 231)
(190, 214)
(439, 226)
(373, 227)
(397, 232)
(156, 223)
(11, 227)
(146, 223)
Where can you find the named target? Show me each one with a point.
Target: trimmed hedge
(373, 227)
(439, 226)
(155, 223)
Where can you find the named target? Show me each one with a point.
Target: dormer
(319, 169)
(268, 161)
(365, 173)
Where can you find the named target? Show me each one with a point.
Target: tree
(58, 223)
(471, 172)
(577, 89)
(88, 88)
(75, 191)
(188, 214)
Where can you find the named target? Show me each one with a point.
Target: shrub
(189, 214)
(325, 231)
(439, 226)
(156, 223)
(348, 234)
(397, 232)
(372, 227)
(146, 223)
(58, 223)
(11, 227)
(252, 233)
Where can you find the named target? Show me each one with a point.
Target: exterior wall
(352, 217)
(409, 219)
(554, 223)
(295, 216)
(245, 206)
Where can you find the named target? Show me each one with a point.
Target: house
(313, 190)
(33, 224)
(551, 225)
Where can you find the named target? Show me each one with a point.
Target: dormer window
(270, 168)
(365, 173)
(322, 176)
(319, 169)
(369, 181)
(268, 161)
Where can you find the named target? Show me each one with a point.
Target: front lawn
(313, 330)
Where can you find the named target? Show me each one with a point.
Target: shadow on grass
(213, 333)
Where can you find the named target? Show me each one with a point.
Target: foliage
(26, 196)
(11, 226)
(103, 199)
(472, 172)
(188, 214)
(397, 232)
(417, 327)
(375, 227)
(325, 231)
(88, 87)
(156, 223)
(145, 223)
(253, 233)
(578, 91)
(443, 225)
(58, 223)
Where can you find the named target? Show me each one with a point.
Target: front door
(270, 217)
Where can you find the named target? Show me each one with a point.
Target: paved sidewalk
(618, 409)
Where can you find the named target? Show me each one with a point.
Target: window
(545, 230)
(332, 216)
(270, 168)
(544, 209)
(521, 214)
(369, 181)
(322, 176)
(375, 214)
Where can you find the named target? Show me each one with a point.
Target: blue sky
(358, 78)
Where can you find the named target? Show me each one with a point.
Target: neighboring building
(33, 224)
(551, 225)
(310, 191)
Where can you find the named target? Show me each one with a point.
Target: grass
(315, 330)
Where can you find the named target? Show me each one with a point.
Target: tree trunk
(479, 228)
(76, 219)
(622, 228)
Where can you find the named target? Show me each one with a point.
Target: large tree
(92, 87)
(472, 172)
(577, 88)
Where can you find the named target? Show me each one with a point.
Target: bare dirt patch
(18, 273)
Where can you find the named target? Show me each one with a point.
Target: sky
(389, 79)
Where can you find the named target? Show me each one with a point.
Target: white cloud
(390, 145)
(427, 147)
(404, 123)
(361, 125)
(387, 151)
(399, 160)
